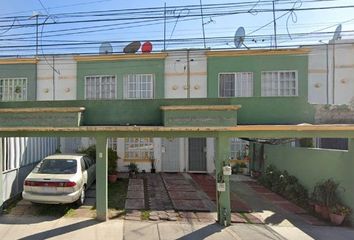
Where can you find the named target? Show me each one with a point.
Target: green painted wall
(121, 68)
(28, 71)
(257, 109)
(313, 165)
(147, 112)
(257, 64)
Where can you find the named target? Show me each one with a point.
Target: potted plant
(112, 165)
(235, 168)
(338, 214)
(325, 196)
(153, 169)
(133, 169)
(243, 168)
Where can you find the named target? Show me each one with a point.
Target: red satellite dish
(147, 47)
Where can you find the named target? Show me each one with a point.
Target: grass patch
(145, 215)
(55, 210)
(117, 193)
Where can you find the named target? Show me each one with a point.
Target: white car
(60, 179)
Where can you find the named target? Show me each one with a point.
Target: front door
(170, 155)
(197, 154)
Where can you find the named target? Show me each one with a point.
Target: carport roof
(271, 131)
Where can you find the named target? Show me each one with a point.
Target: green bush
(285, 185)
(112, 157)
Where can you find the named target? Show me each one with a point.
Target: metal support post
(101, 178)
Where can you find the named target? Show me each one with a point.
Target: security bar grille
(100, 87)
(139, 86)
(13, 89)
(279, 83)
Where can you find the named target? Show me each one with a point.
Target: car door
(84, 167)
(91, 170)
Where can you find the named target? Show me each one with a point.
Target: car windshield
(56, 166)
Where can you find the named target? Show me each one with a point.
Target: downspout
(53, 77)
(188, 76)
(327, 71)
(334, 72)
(1, 174)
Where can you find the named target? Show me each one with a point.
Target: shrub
(285, 185)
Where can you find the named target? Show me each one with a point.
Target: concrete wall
(313, 165)
(22, 154)
(63, 70)
(331, 72)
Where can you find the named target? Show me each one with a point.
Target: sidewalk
(36, 228)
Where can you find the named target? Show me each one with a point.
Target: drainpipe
(188, 76)
(1, 183)
(334, 71)
(53, 77)
(327, 77)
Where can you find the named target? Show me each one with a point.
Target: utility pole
(164, 28)
(274, 25)
(36, 15)
(201, 14)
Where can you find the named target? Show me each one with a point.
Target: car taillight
(49, 184)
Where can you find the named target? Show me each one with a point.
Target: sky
(181, 24)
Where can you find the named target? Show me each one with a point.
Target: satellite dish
(106, 48)
(132, 47)
(239, 37)
(146, 47)
(337, 32)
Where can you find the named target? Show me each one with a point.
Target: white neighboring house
(331, 73)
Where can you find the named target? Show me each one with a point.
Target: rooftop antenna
(105, 48)
(239, 38)
(337, 33)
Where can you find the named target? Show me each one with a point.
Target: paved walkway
(183, 194)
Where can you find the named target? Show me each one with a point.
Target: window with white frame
(100, 87)
(113, 144)
(238, 148)
(279, 83)
(138, 148)
(13, 89)
(238, 84)
(139, 86)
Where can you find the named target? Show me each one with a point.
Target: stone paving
(157, 194)
(135, 195)
(271, 207)
(183, 194)
(208, 184)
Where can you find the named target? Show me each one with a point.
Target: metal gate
(197, 154)
(170, 155)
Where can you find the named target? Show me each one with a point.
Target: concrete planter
(336, 219)
(112, 178)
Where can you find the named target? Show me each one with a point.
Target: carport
(216, 118)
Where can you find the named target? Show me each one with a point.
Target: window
(138, 148)
(139, 86)
(238, 84)
(333, 143)
(100, 87)
(113, 144)
(238, 148)
(279, 83)
(13, 89)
